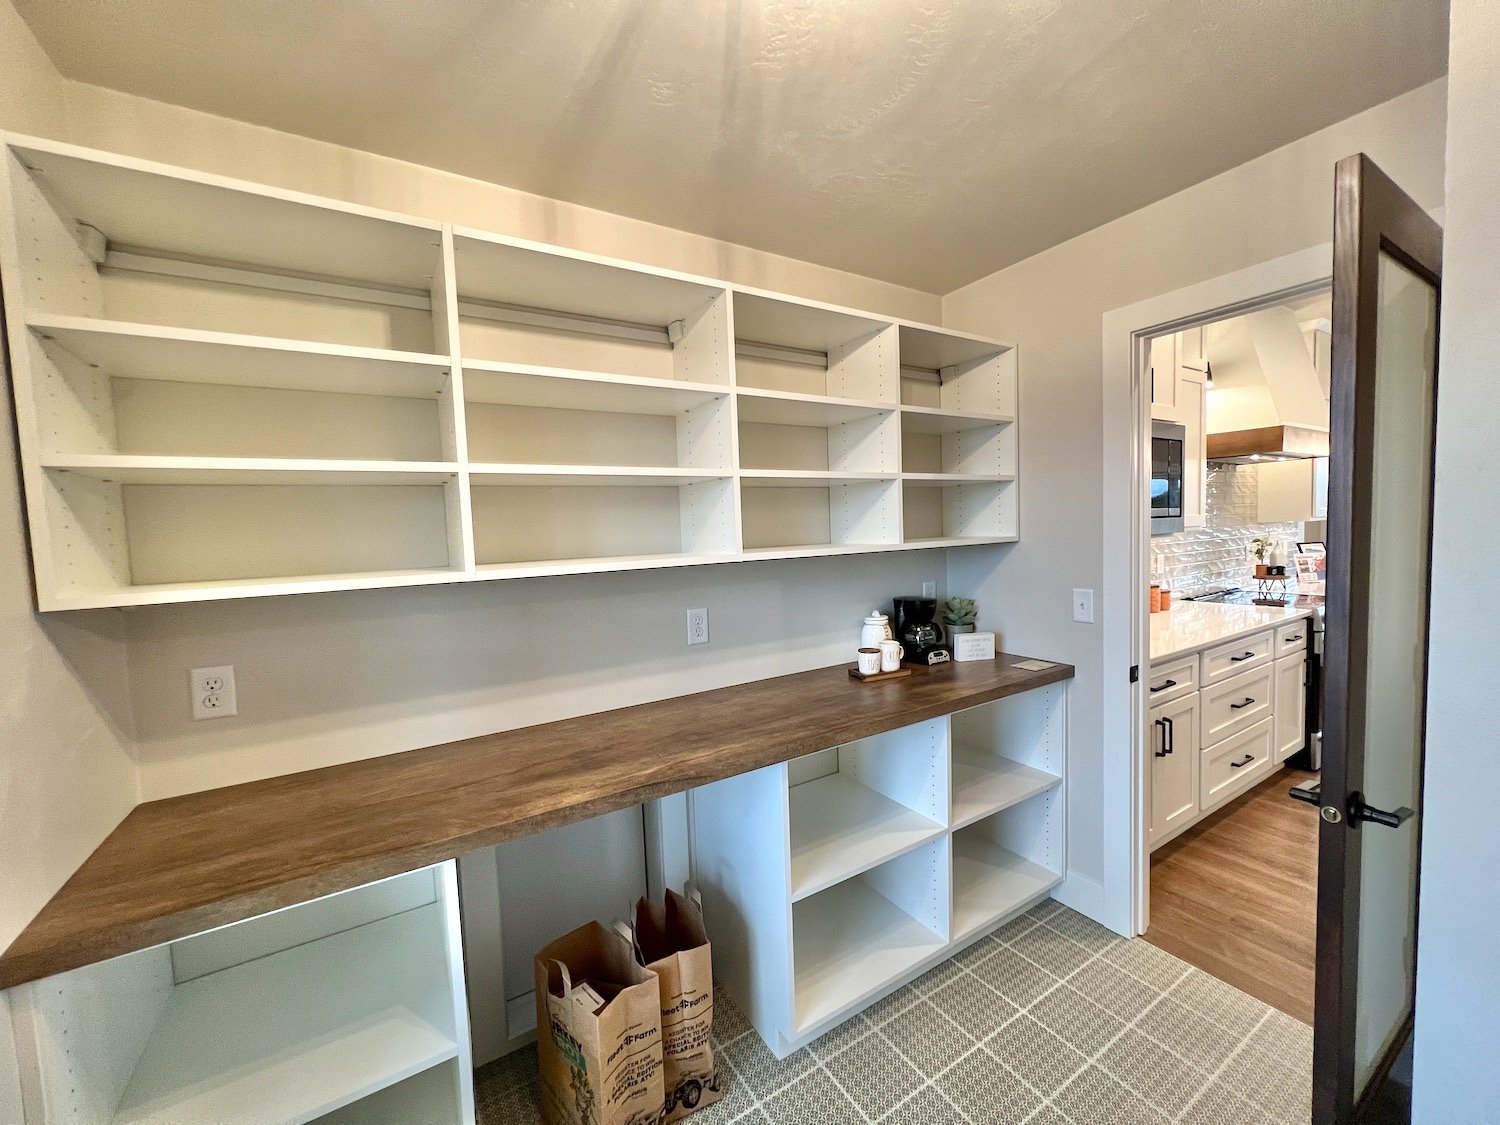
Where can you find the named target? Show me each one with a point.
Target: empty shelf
(931, 420)
(169, 592)
(840, 828)
(849, 944)
(513, 384)
(990, 882)
(936, 348)
(788, 408)
(985, 783)
(134, 469)
(302, 1032)
(585, 476)
(184, 355)
(602, 564)
(948, 480)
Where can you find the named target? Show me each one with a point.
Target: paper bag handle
(567, 979)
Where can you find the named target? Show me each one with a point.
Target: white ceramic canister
(877, 628)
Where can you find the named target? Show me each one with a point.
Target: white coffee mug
(869, 661)
(891, 653)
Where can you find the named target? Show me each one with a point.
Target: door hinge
(1135, 673)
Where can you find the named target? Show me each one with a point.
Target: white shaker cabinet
(1174, 747)
(1291, 706)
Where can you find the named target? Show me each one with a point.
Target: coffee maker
(914, 622)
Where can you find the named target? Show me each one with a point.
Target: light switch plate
(1083, 606)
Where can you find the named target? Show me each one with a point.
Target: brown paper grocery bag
(670, 941)
(598, 1021)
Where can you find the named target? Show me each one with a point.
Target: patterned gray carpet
(1051, 1020)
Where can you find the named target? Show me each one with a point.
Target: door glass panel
(1395, 696)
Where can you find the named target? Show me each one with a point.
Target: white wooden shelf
(851, 943)
(283, 1017)
(140, 469)
(843, 874)
(145, 351)
(947, 480)
(984, 783)
(169, 327)
(585, 476)
(504, 384)
(933, 420)
(790, 408)
(990, 883)
(840, 828)
(807, 478)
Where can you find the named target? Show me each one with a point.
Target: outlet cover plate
(213, 692)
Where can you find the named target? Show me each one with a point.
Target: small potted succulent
(958, 615)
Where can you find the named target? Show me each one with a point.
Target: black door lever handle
(1393, 819)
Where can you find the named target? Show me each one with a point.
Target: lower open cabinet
(830, 881)
(348, 1008)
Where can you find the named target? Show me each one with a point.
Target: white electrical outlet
(213, 692)
(1083, 606)
(929, 589)
(697, 626)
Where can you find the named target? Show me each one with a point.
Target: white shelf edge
(153, 469)
(495, 474)
(222, 589)
(809, 478)
(582, 375)
(489, 572)
(1019, 782)
(941, 480)
(772, 395)
(98, 327)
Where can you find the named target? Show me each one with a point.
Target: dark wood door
(1386, 287)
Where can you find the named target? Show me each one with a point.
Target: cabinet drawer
(1172, 679)
(1234, 765)
(1230, 707)
(1293, 637)
(1237, 656)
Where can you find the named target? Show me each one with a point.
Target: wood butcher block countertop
(186, 864)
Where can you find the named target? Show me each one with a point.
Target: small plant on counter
(959, 611)
(1262, 548)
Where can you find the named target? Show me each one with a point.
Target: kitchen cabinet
(1174, 745)
(1292, 491)
(1291, 705)
(1179, 394)
(1223, 717)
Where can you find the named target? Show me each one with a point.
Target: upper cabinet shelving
(229, 390)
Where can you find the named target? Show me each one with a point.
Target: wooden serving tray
(856, 674)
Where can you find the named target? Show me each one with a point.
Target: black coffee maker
(914, 621)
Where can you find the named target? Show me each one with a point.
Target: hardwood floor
(1237, 895)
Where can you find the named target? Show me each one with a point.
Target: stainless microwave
(1168, 448)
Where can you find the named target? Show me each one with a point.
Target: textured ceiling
(924, 143)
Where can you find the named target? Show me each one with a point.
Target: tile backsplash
(1219, 554)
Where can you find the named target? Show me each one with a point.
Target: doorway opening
(1234, 620)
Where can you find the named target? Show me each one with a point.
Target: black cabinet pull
(1291, 639)
(1165, 686)
(1236, 706)
(1162, 723)
(1237, 659)
(1171, 735)
(1248, 759)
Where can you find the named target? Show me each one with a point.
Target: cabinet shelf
(125, 350)
(353, 1013)
(515, 384)
(584, 476)
(165, 593)
(984, 783)
(789, 408)
(806, 478)
(850, 943)
(840, 828)
(990, 882)
(601, 565)
(933, 420)
(948, 480)
(134, 469)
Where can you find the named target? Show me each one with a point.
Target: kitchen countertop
(185, 864)
(1190, 626)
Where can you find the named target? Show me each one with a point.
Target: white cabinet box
(1174, 765)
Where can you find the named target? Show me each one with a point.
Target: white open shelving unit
(832, 880)
(348, 1008)
(228, 390)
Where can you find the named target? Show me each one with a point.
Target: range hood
(1271, 397)
(1267, 443)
